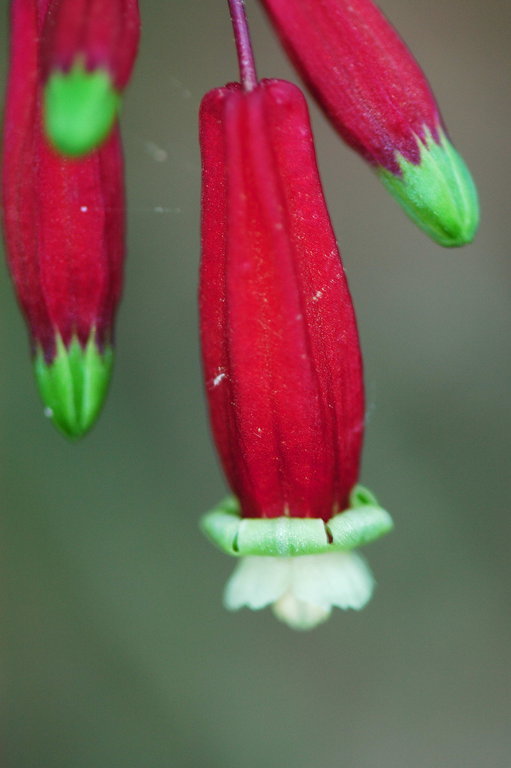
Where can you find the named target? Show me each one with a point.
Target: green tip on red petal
(80, 108)
(73, 386)
(438, 193)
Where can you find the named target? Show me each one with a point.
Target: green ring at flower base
(362, 522)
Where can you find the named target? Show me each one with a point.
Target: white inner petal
(303, 589)
(341, 579)
(297, 614)
(257, 581)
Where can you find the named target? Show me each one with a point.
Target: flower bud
(89, 48)
(64, 234)
(381, 103)
(281, 357)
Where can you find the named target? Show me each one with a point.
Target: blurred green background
(117, 651)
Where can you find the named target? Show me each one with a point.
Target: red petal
(280, 345)
(362, 72)
(64, 219)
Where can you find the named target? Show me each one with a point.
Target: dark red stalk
(244, 49)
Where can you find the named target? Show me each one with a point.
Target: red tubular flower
(380, 101)
(64, 233)
(89, 48)
(281, 358)
(281, 352)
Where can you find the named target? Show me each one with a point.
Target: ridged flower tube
(381, 103)
(89, 48)
(282, 362)
(64, 234)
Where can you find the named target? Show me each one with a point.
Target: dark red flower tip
(381, 103)
(88, 48)
(102, 34)
(363, 74)
(280, 345)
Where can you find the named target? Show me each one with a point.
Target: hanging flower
(380, 101)
(89, 48)
(64, 233)
(282, 363)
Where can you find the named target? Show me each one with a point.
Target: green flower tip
(438, 194)
(80, 108)
(362, 523)
(74, 384)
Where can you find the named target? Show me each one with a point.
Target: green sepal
(73, 386)
(363, 522)
(281, 536)
(438, 193)
(80, 108)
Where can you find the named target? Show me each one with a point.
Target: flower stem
(246, 61)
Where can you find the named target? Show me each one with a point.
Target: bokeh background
(117, 651)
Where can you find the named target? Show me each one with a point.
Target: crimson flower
(380, 101)
(282, 362)
(88, 51)
(64, 234)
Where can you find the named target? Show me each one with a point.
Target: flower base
(302, 567)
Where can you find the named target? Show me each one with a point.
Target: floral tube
(64, 234)
(282, 362)
(89, 48)
(380, 101)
